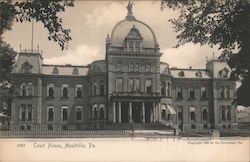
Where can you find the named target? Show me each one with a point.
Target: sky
(91, 21)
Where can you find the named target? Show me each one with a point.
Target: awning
(163, 107)
(171, 109)
(168, 108)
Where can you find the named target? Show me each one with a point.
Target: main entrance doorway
(137, 112)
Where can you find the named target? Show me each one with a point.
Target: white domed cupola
(129, 29)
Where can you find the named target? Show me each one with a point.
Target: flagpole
(32, 31)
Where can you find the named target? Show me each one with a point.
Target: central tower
(133, 62)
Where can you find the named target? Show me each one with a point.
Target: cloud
(81, 55)
(188, 55)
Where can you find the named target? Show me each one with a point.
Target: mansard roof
(65, 70)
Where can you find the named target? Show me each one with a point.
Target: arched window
(192, 113)
(223, 73)
(23, 90)
(50, 113)
(55, 71)
(181, 74)
(75, 71)
(163, 88)
(96, 92)
(78, 91)
(198, 74)
(102, 112)
(94, 111)
(51, 92)
(65, 90)
(26, 67)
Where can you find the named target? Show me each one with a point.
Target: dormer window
(75, 71)
(133, 40)
(198, 74)
(166, 71)
(223, 73)
(55, 71)
(26, 67)
(181, 74)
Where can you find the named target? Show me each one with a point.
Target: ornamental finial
(130, 13)
(129, 7)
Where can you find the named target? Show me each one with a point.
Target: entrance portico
(136, 111)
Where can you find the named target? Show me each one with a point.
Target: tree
(217, 22)
(45, 11)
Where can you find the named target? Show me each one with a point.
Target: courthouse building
(130, 85)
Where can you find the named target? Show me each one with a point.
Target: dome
(122, 28)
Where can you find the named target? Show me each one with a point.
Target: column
(159, 112)
(120, 112)
(114, 113)
(130, 112)
(143, 112)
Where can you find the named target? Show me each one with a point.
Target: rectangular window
(50, 90)
(119, 67)
(228, 113)
(136, 67)
(137, 84)
(148, 68)
(203, 92)
(131, 67)
(223, 113)
(191, 93)
(137, 46)
(102, 89)
(65, 90)
(50, 113)
(78, 113)
(163, 88)
(96, 88)
(148, 85)
(222, 92)
(192, 114)
(29, 108)
(168, 89)
(64, 113)
(78, 91)
(204, 114)
(119, 84)
(180, 114)
(130, 46)
(29, 89)
(227, 92)
(22, 112)
(131, 85)
(179, 93)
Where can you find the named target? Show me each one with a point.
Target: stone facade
(130, 85)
